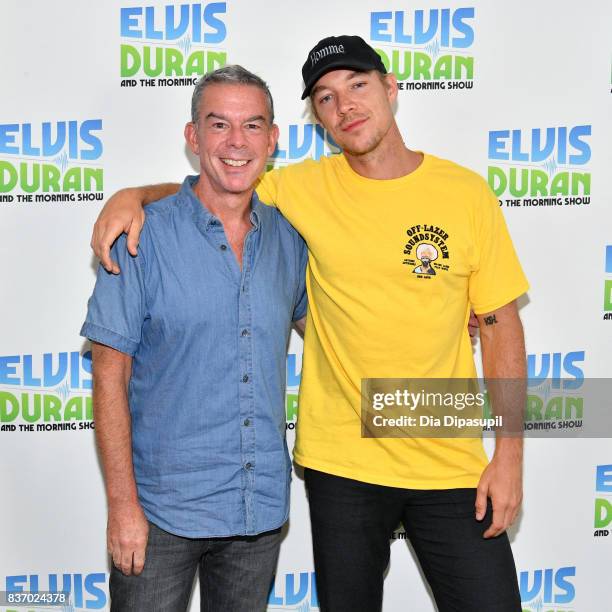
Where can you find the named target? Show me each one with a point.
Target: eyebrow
(313, 91)
(352, 75)
(248, 120)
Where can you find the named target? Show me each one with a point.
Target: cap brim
(336, 65)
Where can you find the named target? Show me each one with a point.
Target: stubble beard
(370, 146)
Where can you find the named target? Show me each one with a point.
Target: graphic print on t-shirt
(426, 249)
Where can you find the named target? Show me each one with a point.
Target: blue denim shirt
(209, 344)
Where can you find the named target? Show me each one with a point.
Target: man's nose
(345, 103)
(236, 137)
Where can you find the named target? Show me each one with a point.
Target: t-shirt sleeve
(268, 186)
(301, 303)
(116, 309)
(497, 278)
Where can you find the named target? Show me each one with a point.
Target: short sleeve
(497, 278)
(268, 187)
(301, 303)
(116, 309)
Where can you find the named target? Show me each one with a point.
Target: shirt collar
(202, 216)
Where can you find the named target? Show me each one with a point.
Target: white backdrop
(75, 122)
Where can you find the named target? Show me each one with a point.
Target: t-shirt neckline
(385, 184)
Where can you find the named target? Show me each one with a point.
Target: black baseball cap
(336, 52)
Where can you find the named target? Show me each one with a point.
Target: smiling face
(355, 107)
(233, 136)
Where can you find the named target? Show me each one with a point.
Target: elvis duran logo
(554, 398)
(603, 501)
(86, 591)
(543, 588)
(426, 49)
(49, 392)
(560, 370)
(300, 141)
(294, 591)
(554, 401)
(426, 250)
(171, 45)
(541, 166)
(52, 161)
(608, 286)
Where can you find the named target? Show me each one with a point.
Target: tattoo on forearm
(490, 320)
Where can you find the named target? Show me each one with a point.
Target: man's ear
(391, 85)
(272, 139)
(191, 137)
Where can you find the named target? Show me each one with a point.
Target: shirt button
(247, 422)
(245, 378)
(248, 466)
(223, 247)
(245, 332)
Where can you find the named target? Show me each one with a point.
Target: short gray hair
(229, 75)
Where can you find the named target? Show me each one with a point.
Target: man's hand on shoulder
(123, 213)
(126, 536)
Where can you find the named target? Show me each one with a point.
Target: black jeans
(352, 523)
(235, 574)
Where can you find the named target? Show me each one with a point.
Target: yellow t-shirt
(393, 268)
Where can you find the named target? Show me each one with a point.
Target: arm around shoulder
(123, 213)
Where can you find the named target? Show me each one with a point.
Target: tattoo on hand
(490, 320)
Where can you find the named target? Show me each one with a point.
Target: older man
(364, 215)
(189, 371)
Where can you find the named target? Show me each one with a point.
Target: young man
(189, 361)
(364, 215)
